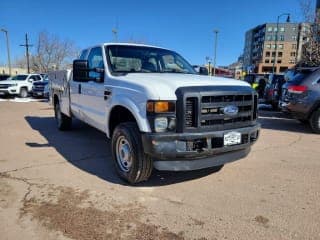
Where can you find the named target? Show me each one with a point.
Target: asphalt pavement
(62, 185)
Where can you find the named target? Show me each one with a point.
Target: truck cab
(156, 109)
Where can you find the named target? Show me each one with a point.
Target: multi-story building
(267, 47)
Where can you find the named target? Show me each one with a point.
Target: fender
(139, 114)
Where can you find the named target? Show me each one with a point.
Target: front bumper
(9, 91)
(203, 149)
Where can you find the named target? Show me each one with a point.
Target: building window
(280, 46)
(280, 54)
(269, 37)
(291, 61)
(282, 29)
(269, 29)
(275, 29)
(273, 54)
(273, 46)
(294, 46)
(293, 54)
(281, 38)
(267, 61)
(294, 29)
(279, 61)
(267, 54)
(268, 46)
(294, 38)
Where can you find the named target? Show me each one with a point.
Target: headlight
(160, 124)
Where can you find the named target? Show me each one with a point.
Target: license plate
(232, 138)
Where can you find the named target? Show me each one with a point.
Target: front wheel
(23, 93)
(63, 121)
(131, 163)
(315, 121)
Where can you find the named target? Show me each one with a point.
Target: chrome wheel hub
(124, 154)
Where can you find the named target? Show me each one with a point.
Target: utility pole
(27, 45)
(8, 49)
(215, 51)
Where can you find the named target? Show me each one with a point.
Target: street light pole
(276, 40)
(8, 49)
(215, 51)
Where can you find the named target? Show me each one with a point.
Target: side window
(83, 54)
(32, 78)
(95, 60)
(37, 77)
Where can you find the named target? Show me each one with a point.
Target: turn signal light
(160, 106)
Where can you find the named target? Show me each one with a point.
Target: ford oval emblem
(231, 110)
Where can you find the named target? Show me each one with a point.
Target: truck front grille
(208, 112)
(4, 86)
(212, 109)
(190, 117)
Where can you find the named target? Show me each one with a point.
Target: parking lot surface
(62, 185)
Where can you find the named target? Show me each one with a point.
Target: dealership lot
(62, 185)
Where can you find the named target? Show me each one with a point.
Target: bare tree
(52, 53)
(311, 49)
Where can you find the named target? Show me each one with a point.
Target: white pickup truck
(20, 85)
(156, 109)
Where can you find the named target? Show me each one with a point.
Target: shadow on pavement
(282, 122)
(89, 150)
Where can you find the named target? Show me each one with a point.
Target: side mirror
(30, 80)
(80, 70)
(201, 70)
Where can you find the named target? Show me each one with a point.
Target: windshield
(20, 77)
(133, 59)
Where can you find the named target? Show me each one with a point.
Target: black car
(40, 89)
(4, 77)
(273, 90)
(301, 97)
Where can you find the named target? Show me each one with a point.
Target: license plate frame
(232, 138)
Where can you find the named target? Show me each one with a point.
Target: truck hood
(164, 85)
(11, 81)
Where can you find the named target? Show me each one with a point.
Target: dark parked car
(301, 97)
(273, 90)
(40, 89)
(4, 77)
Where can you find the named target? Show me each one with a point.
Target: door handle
(107, 93)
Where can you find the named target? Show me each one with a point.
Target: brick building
(265, 44)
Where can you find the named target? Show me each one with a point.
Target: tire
(131, 163)
(63, 121)
(23, 93)
(315, 121)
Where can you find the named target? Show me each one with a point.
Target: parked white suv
(19, 85)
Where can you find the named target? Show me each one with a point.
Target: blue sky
(184, 26)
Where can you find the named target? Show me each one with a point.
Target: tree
(311, 49)
(52, 53)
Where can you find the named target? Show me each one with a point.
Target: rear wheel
(131, 163)
(63, 121)
(315, 121)
(23, 93)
